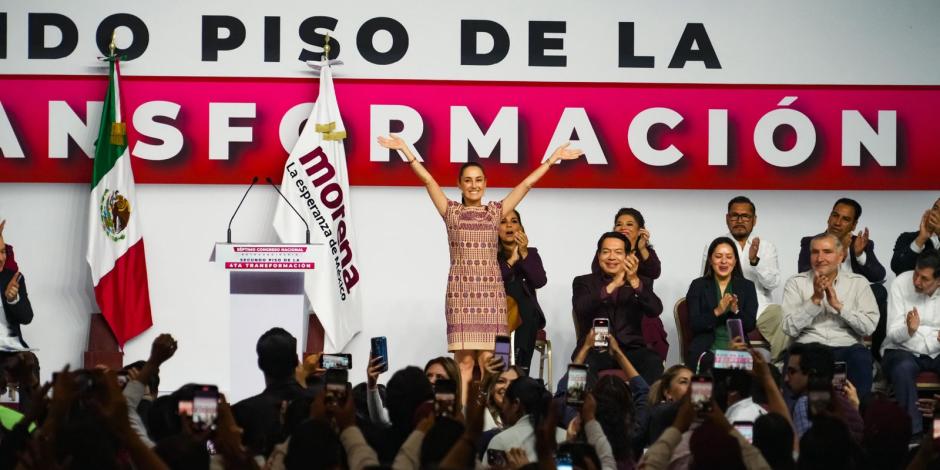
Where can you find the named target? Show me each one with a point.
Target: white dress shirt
(806, 322)
(933, 240)
(902, 299)
(744, 410)
(765, 276)
(522, 435)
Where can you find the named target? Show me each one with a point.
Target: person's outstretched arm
(515, 196)
(434, 190)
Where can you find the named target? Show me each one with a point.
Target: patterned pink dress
(476, 300)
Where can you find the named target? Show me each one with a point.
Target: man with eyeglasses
(759, 265)
(813, 363)
(859, 258)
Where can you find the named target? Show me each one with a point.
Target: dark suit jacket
(260, 416)
(532, 273)
(702, 299)
(654, 333)
(17, 314)
(625, 312)
(904, 259)
(873, 270)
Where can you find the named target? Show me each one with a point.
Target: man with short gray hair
(830, 306)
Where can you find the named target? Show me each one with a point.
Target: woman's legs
(466, 361)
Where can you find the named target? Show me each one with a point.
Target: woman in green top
(721, 294)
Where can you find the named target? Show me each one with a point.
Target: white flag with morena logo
(316, 182)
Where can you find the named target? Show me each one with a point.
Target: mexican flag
(115, 245)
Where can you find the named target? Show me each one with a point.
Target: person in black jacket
(623, 297)
(721, 294)
(14, 302)
(523, 273)
(912, 244)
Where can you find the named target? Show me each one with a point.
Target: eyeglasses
(742, 217)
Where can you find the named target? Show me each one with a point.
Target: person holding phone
(523, 273)
(524, 409)
(475, 299)
(630, 222)
(722, 293)
(618, 293)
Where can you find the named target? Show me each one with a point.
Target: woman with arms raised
(476, 299)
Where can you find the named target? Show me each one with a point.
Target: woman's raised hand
(392, 142)
(566, 153)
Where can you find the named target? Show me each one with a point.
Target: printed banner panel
(227, 130)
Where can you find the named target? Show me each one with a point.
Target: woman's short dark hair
(618, 236)
(632, 213)
(709, 271)
(406, 390)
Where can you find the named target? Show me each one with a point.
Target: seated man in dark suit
(260, 416)
(911, 244)
(859, 259)
(617, 293)
(15, 309)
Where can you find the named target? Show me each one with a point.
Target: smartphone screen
(746, 429)
(735, 329)
(601, 330)
(577, 385)
(205, 406)
(336, 379)
(701, 393)
(185, 407)
(336, 361)
(839, 375)
(502, 350)
(733, 360)
(563, 461)
(445, 398)
(380, 349)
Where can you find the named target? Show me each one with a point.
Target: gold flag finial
(326, 46)
(112, 47)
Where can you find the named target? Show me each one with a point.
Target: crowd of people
(806, 398)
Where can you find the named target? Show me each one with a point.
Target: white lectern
(266, 289)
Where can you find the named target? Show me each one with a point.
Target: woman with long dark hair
(721, 294)
(523, 273)
(476, 299)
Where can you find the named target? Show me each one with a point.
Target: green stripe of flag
(106, 152)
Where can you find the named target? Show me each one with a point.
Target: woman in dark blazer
(523, 273)
(721, 294)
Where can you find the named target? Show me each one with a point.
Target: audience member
(911, 244)
(832, 306)
(672, 386)
(622, 297)
(773, 435)
(524, 408)
(811, 365)
(721, 294)
(858, 256)
(759, 265)
(829, 445)
(632, 224)
(913, 341)
(15, 308)
(522, 271)
(887, 434)
(260, 416)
